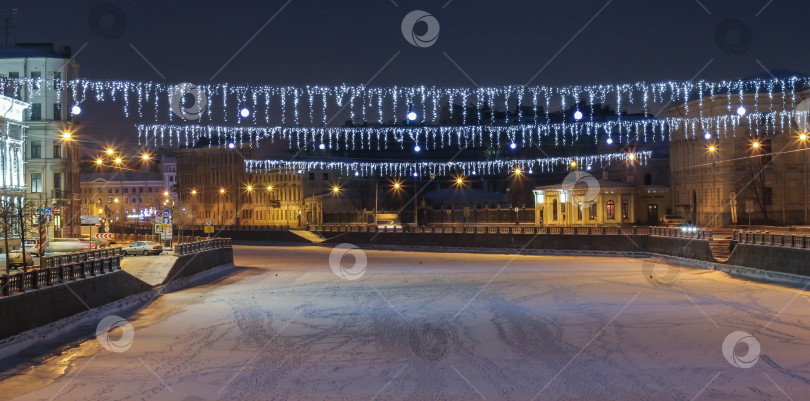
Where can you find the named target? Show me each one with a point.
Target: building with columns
(591, 202)
(761, 167)
(12, 147)
(51, 168)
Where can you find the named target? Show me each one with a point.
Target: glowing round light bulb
(244, 112)
(416, 148)
(513, 145)
(231, 145)
(321, 146)
(588, 168)
(76, 110)
(473, 173)
(741, 111)
(802, 136)
(707, 136)
(415, 174)
(610, 141)
(577, 115)
(411, 115)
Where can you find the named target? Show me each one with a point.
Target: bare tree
(8, 225)
(23, 210)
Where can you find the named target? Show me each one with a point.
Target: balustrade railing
(771, 239)
(679, 232)
(62, 269)
(201, 246)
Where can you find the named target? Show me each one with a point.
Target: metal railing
(201, 246)
(62, 269)
(683, 232)
(771, 239)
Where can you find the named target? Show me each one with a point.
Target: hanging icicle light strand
(401, 169)
(438, 137)
(303, 105)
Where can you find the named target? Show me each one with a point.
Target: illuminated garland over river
(436, 137)
(316, 105)
(400, 169)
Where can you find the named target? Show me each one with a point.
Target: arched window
(593, 210)
(579, 211)
(625, 210)
(610, 210)
(554, 209)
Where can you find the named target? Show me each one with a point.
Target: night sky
(488, 42)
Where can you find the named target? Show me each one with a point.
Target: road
(444, 326)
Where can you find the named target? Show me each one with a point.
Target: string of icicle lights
(315, 104)
(418, 169)
(435, 137)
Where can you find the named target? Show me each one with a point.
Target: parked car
(16, 258)
(143, 248)
(32, 246)
(673, 220)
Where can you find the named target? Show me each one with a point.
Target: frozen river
(444, 326)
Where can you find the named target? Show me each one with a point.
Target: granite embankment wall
(36, 308)
(680, 247)
(772, 258)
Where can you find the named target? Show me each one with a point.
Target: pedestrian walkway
(308, 235)
(149, 269)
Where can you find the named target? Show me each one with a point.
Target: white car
(143, 248)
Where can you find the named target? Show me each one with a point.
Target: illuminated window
(611, 210)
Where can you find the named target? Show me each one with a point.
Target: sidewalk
(149, 269)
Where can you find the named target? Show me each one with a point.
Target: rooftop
(33, 50)
(116, 176)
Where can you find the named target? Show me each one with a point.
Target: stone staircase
(721, 248)
(308, 235)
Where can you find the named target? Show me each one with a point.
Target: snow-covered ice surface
(444, 326)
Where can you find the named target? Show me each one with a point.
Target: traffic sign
(208, 223)
(103, 235)
(158, 214)
(208, 229)
(39, 211)
(167, 212)
(48, 210)
(158, 228)
(167, 220)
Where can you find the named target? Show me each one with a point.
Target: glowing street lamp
(194, 192)
(573, 164)
(712, 149)
(249, 188)
(335, 189)
(221, 191)
(99, 162)
(145, 157)
(397, 185)
(803, 136)
(67, 135)
(110, 151)
(269, 188)
(755, 144)
(165, 193)
(118, 160)
(518, 171)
